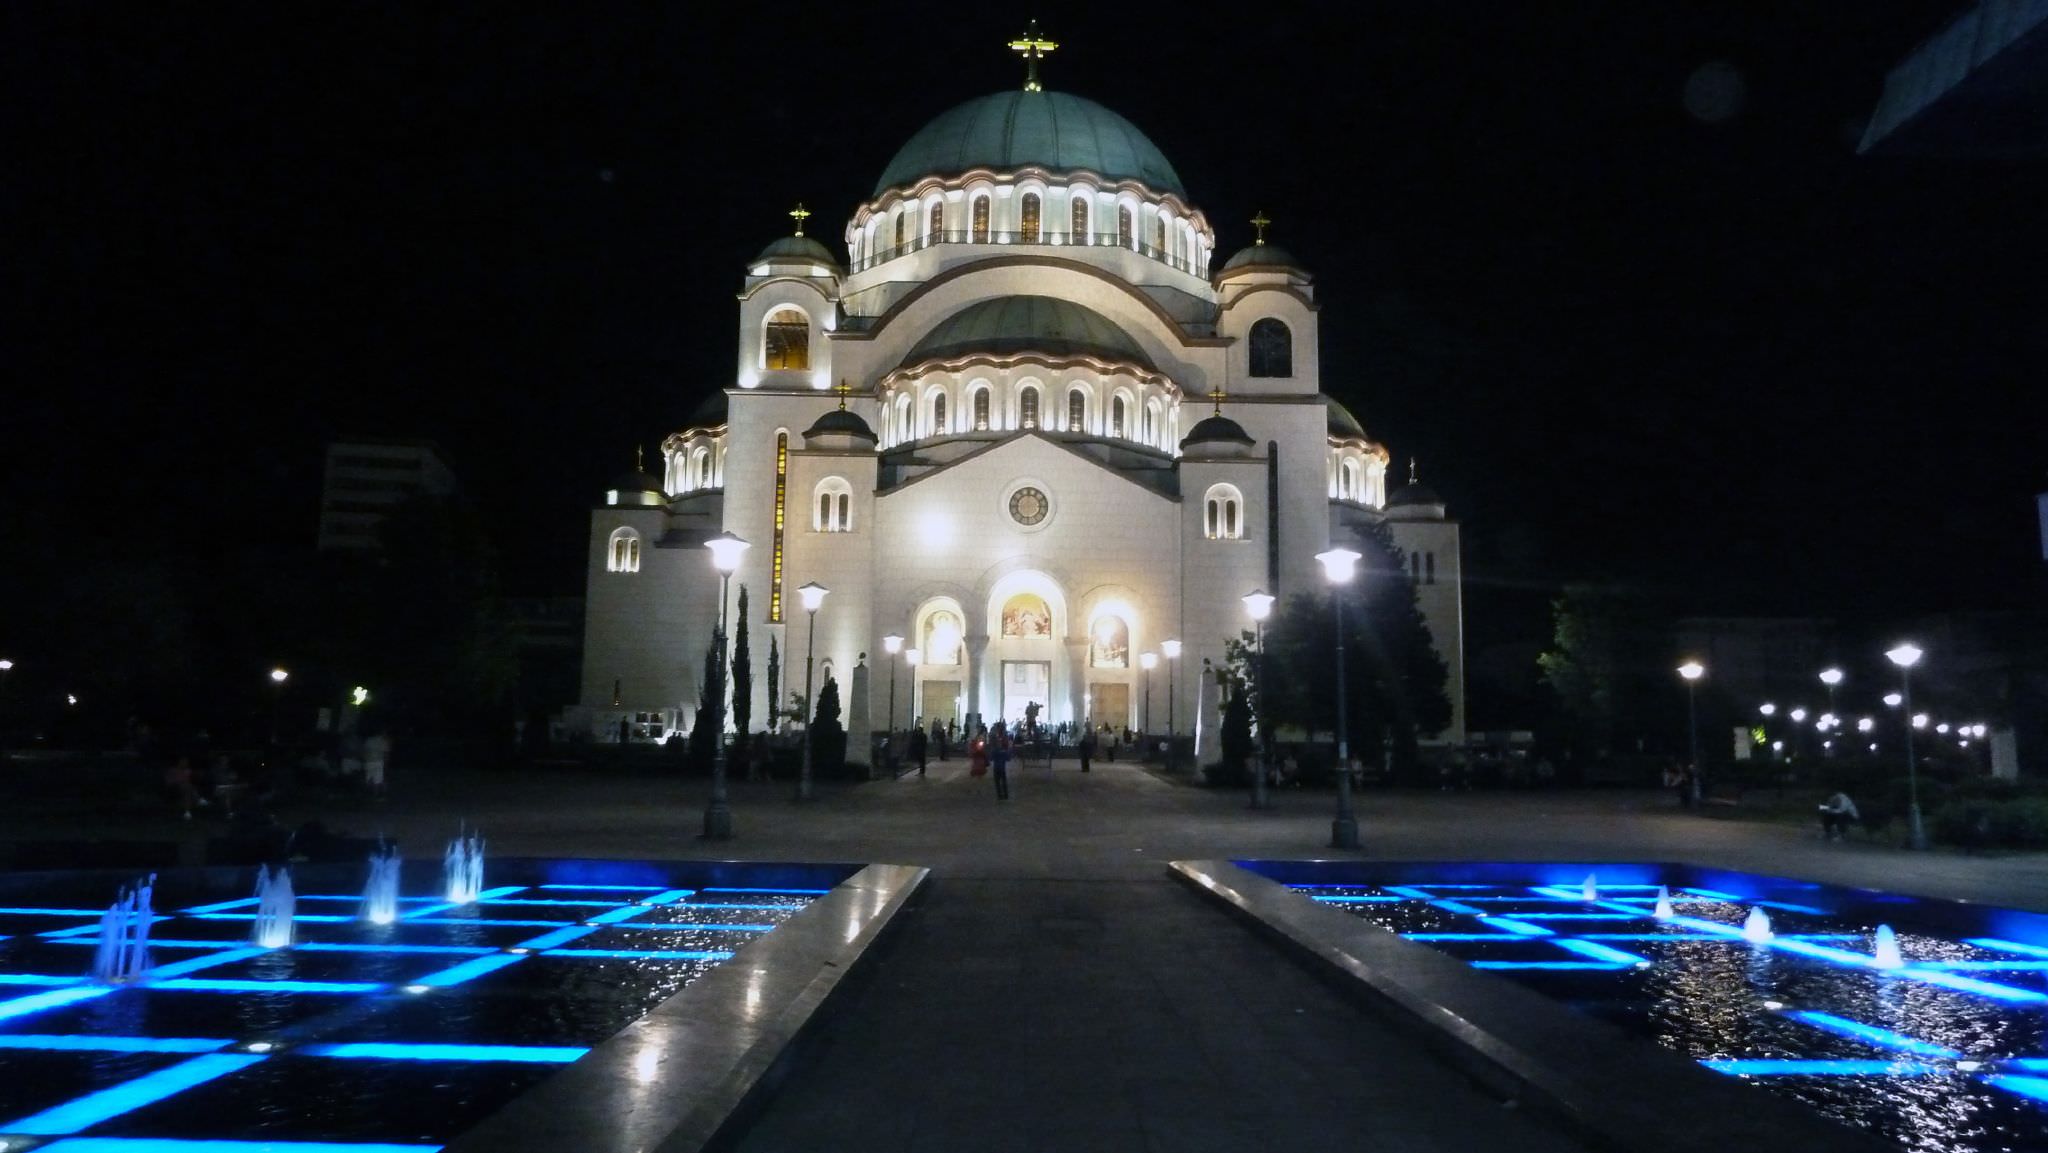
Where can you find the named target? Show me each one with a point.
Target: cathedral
(1031, 439)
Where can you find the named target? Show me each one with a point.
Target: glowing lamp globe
(725, 551)
(813, 595)
(892, 644)
(1339, 565)
(1258, 603)
(1905, 656)
(1692, 670)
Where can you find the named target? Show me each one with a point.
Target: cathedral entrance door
(1023, 683)
(1110, 703)
(941, 702)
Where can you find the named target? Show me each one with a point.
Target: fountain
(123, 951)
(1887, 951)
(463, 868)
(275, 905)
(1663, 911)
(380, 896)
(1756, 927)
(1589, 889)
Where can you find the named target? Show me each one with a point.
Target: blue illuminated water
(362, 1037)
(1947, 1052)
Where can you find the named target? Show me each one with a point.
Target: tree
(1607, 645)
(742, 684)
(704, 730)
(1394, 679)
(827, 736)
(774, 682)
(1237, 746)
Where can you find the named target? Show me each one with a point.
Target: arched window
(939, 415)
(1347, 480)
(703, 461)
(1272, 349)
(981, 410)
(942, 634)
(1081, 219)
(936, 230)
(1125, 237)
(1028, 228)
(1151, 422)
(835, 505)
(625, 551)
(902, 229)
(980, 226)
(1026, 615)
(903, 429)
(1223, 513)
(788, 342)
(1077, 410)
(1109, 644)
(1116, 417)
(1159, 235)
(1027, 408)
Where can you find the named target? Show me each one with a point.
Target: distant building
(367, 478)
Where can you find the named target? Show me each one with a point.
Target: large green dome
(1012, 130)
(1009, 325)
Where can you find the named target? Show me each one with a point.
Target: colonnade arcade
(1023, 643)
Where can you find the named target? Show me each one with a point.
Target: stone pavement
(1056, 991)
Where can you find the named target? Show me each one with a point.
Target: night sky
(1698, 346)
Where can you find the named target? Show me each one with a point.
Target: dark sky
(1716, 355)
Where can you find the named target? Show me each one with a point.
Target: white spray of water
(1589, 889)
(463, 868)
(380, 895)
(275, 906)
(124, 934)
(1663, 911)
(1757, 927)
(1887, 949)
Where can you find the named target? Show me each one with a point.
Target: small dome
(840, 422)
(1009, 325)
(1413, 493)
(1218, 429)
(637, 482)
(1019, 129)
(710, 414)
(797, 250)
(1261, 256)
(1341, 423)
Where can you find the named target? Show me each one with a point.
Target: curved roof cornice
(1096, 180)
(809, 282)
(910, 299)
(1052, 364)
(1284, 289)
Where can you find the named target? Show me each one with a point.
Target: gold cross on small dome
(1217, 396)
(843, 389)
(1259, 222)
(1034, 47)
(801, 214)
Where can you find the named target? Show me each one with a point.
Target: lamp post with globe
(1832, 678)
(1339, 566)
(1171, 649)
(1906, 656)
(1692, 671)
(1768, 710)
(893, 645)
(725, 557)
(1258, 603)
(813, 595)
(1148, 662)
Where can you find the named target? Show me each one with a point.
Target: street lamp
(6, 666)
(1172, 651)
(892, 644)
(1769, 710)
(1692, 671)
(1148, 662)
(1906, 656)
(1258, 603)
(1831, 677)
(911, 657)
(813, 595)
(1892, 700)
(278, 677)
(1339, 565)
(725, 557)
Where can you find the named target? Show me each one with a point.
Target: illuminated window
(1109, 644)
(902, 228)
(835, 506)
(1081, 219)
(980, 235)
(1026, 615)
(625, 551)
(702, 461)
(1116, 417)
(789, 340)
(1028, 229)
(937, 228)
(1272, 349)
(1125, 237)
(981, 410)
(1027, 408)
(942, 639)
(1223, 513)
(1077, 410)
(939, 415)
(1347, 480)
(903, 429)
(1159, 234)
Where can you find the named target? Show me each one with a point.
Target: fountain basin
(577, 1004)
(1684, 1033)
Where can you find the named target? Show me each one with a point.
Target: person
(999, 762)
(977, 756)
(917, 748)
(1836, 815)
(1087, 748)
(939, 738)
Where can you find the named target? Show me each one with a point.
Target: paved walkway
(1055, 991)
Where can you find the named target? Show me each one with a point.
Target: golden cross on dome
(843, 389)
(1411, 470)
(1259, 222)
(639, 459)
(1217, 396)
(1034, 47)
(801, 214)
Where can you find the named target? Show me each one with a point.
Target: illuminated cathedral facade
(1027, 433)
